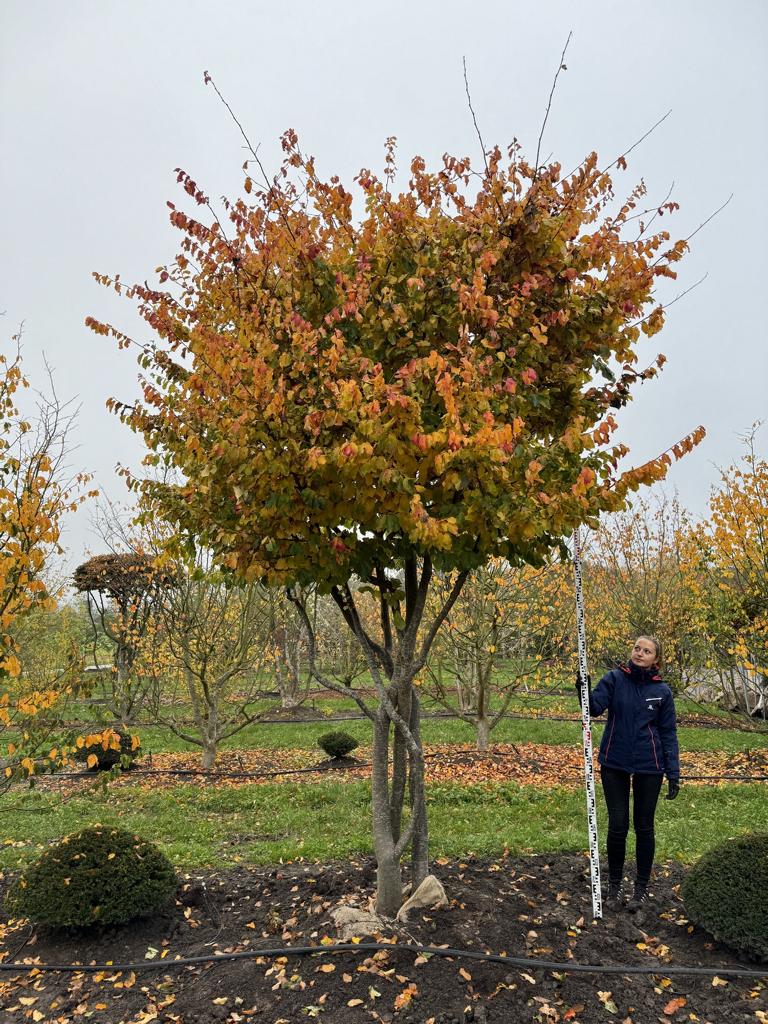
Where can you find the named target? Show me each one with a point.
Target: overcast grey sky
(102, 100)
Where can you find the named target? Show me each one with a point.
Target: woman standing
(638, 748)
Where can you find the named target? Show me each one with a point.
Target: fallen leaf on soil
(608, 1003)
(718, 981)
(405, 997)
(674, 1005)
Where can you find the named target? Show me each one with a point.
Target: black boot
(617, 898)
(640, 898)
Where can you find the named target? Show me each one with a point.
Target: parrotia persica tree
(420, 380)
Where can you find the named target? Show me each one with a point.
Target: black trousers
(645, 793)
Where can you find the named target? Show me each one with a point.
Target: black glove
(578, 685)
(674, 789)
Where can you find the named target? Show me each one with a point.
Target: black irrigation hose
(437, 755)
(84, 776)
(354, 716)
(411, 947)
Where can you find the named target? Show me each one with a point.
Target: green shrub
(337, 744)
(108, 748)
(725, 893)
(101, 875)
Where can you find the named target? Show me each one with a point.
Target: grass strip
(262, 824)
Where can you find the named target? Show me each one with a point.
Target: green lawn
(252, 824)
(434, 731)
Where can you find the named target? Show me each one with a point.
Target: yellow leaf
(92, 761)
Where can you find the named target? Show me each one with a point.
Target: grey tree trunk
(420, 841)
(389, 889)
(122, 690)
(209, 754)
(482, 732)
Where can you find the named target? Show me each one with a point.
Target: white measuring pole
(586, 732)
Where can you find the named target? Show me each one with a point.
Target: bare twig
(560, 67)
(472, 112)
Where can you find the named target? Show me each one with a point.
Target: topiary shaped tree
(337, 744)
(725, 894)
(101, 875)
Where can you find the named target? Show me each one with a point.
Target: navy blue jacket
(640, 734)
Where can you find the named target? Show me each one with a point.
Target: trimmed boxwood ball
(337, 744)
(106, 759)
(101, 875)
(725, 893)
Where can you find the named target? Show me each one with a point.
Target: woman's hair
(657, 644)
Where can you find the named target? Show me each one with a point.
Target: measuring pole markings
(586, 731)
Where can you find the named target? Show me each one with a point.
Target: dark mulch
(536, 906)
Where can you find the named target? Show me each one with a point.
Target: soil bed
(537, 906)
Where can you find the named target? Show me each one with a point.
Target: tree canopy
(348, 379)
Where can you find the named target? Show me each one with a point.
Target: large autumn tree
(385, 387)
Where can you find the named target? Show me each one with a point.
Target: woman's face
(644, 653)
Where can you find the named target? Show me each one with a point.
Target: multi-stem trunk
(394, 664)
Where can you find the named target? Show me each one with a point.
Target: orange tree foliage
(34, 496)
(424, 380)
(637, 581)
(731, 557)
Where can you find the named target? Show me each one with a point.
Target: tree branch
(440, 618)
